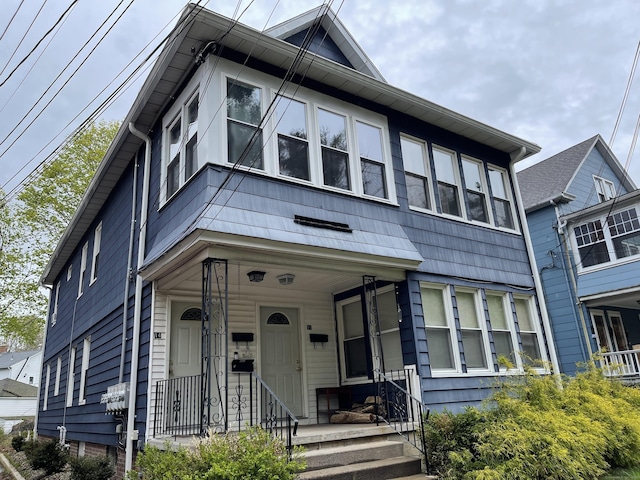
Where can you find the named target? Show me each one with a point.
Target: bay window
(181, 146)
(244, 117)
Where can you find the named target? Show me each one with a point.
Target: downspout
(570, 276)
(536, 277)
(129, 273)
(135, 347)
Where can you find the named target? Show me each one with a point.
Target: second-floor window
(476, 188)
(181, 141)
(418, 176)
(83, 268)
(244, 119)
(625, 233)
(448, 179)
(97, 238)
(54, 314)
(293, 139)
(501, 198)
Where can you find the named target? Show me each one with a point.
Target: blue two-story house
(582, 213)
(274, 214)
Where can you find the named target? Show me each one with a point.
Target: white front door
(186, 340)
(281, 365)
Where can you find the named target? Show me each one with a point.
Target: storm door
(281, 366)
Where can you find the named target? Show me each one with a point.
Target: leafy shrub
(17, 443)
(48, 456)
(91, 468)
(251, 454)
(538, 427)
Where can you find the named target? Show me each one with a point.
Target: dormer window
(181, 140)
(604, 189)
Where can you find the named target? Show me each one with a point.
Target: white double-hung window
(244, 124)
(374, 181)
(501, 198)
(448, 178)
(475, 182)
(475, 344)
(181, 142)
(418, 175)
(293, 139)
(440, 328)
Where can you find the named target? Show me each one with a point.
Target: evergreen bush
(48, 456)
(91, 468)
(17, 443)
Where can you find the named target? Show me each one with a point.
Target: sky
(553, 72)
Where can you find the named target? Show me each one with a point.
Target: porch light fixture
(255, 276)
(286, 279)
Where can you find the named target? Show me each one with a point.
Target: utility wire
(15, 50)
(625, 96)
(39, 42)
(11, 20)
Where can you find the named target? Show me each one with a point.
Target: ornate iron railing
(625, 363)
(401, 409)
(178, 410)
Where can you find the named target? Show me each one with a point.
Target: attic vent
(317, 223)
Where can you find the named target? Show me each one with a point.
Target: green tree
(33, 224)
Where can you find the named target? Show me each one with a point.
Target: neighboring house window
(604, 189)
(448, 181)
(46, 387)
(501, 198)
(624, 229)
(528, 331)
(502, 327)
(416, 165)
(472, 330)
(244, 116)
(440, 330)
(334, 146)
(371, 160)
(96, 252)
(56, 385)
(181, 145)
(476, 188)
(83, 268)
(293, 139)
(86, 348)
(54, 314)
(71, 377)
(592, 246)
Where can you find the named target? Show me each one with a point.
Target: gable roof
(197, 28)
(336, 32)
(13, 388)
(549, 179)
(8, 359)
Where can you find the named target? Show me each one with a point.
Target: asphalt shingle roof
(549, 178)
(11, 358)
(13, 388)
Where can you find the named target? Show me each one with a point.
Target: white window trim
(508, 191)
(424, 147)
(54, 314)
(56, 385)
(71, 376)
(69, 272)
(83, 269)
(86, 349)
(605, 189)
(97, 239)
(179, 108)
(451, 327)
(484, 185)
(482, 327)
(533, 315)
(46, 388)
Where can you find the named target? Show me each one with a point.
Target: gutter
(135, 347)
(516, 157)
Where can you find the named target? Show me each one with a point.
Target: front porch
(623, 365)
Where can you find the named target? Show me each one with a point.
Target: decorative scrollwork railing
(403, 411)
(178, 406)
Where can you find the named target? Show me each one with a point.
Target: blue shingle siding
(454, 394)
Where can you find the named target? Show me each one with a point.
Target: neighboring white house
(23, 367)
(18, 402)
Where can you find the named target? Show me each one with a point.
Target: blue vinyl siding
(610, 279)
(583, 186)
(96, 313)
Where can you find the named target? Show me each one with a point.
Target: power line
(11, 20)
(39, 42)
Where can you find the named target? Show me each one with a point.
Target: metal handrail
(402, 411)
(272, 414)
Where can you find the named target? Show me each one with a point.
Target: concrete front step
(357, 453)
(396, 467)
